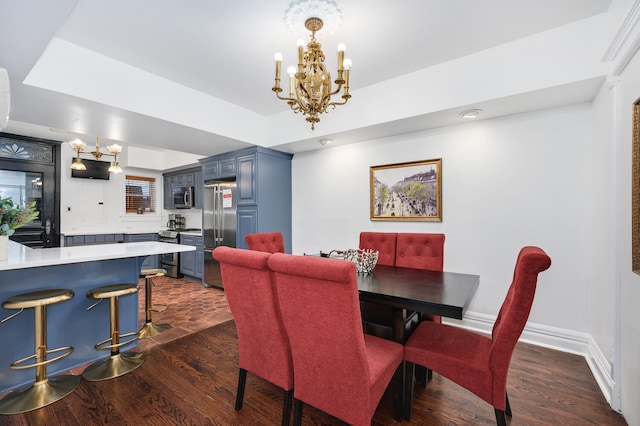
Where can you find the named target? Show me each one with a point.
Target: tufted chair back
(420, 251)
(270, 242)
(383, 242)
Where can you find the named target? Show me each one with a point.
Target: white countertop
(21, 257)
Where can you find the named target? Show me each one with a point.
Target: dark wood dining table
(446, 294)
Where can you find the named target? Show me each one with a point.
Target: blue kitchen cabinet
(246, 181)
(181, 178)
(192, 262)
(220, 166)
(83, 240)
(247, 224)
(263, 189)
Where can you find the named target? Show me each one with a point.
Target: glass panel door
(23, 188)
(30, 172)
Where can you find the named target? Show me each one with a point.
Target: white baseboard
(559, 339)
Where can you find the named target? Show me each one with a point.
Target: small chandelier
(79, 146)
(310, 85)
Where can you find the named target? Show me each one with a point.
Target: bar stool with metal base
(118, 363)
(45, 390)
(149, 329)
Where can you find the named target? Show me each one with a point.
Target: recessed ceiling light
(471, 113)
(324, 142)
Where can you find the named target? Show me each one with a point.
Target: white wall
(509, 182)
(630, 282)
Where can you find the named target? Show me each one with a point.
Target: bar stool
(149, 329)
(45, 390)
(118, 363)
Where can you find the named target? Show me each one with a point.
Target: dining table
(447, 294)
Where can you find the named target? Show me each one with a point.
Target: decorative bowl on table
(364, 259)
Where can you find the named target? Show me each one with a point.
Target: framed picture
(635, 190)
(407, 191)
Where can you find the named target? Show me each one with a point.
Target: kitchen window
(140, 194)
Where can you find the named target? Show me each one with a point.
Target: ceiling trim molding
(626, 42)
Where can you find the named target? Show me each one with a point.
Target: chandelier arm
(283, 98)
(333, 104)
(335, 92)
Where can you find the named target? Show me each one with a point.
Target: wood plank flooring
(192, 381)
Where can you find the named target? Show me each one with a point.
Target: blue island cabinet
(263, 189)
(69, 322)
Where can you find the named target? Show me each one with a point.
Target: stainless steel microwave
(183, 197)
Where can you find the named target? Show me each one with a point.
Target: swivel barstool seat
(149, 329)
(118, 363)
(45, 390)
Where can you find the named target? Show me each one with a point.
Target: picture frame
(635, 190)
(407, 191)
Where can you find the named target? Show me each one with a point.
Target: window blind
(140, 194)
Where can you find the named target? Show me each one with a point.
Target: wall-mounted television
(95, 170)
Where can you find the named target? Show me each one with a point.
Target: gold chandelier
(310, 85)
(79, 146)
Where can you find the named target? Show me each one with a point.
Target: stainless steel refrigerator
(218, 225)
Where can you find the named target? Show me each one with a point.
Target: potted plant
(12, 216)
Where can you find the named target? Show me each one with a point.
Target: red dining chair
(383, 242)
(417, 251)
(477, 362)
(263, 345)
(337, 368)
(421, 251)
(270, 242)
(378, 319)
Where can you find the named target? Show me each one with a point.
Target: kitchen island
(80, 269)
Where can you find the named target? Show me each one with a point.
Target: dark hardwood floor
(192, 381)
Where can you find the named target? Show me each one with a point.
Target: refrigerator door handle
(216, 216)
(221, 213)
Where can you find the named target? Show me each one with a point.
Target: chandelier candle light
(310, 85)
(79, 146)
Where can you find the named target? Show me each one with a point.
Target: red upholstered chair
(262, 341)
(378, 319)
(384, 243)
(421, 251)
(477, 362)
(270, 242)
(337, 368)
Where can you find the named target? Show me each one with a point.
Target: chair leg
(423, 375)
(500, 419)
(286, 407)
(297, 412)
(242, 380)
(508, 410)
(409, 368)
(398, 393)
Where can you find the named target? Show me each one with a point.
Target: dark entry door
(30, 172)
